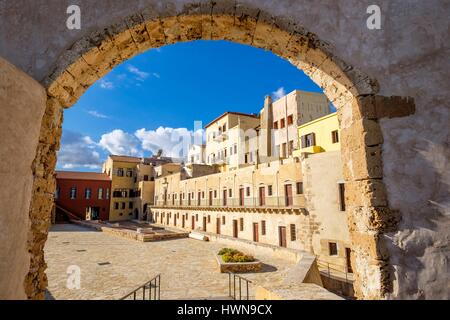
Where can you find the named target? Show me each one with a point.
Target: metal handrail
(297, 201)
(329, 269)
(154, 284)
(232, 286)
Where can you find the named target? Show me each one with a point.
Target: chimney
(266, 132)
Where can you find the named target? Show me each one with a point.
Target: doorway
(204, 224)
(235, 228)
(348, 260)
(282, 237)
(262, 196)
(193, 222)
(288, 195)
(218, 225)
(255, 232)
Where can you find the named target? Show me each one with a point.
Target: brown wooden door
(193, 223)
(167, 219)
(241, 196)
(175, 220)
(218, 225)
(199, 197)
(255, 232)
(282, 236)
(204, 224)
(224, 198)
(235, 228)
(210, 198)
(288, 195)
(262, 196)
(183, 221)
(348, 252)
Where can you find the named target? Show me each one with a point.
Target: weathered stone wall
(397, 168)
(22, 105)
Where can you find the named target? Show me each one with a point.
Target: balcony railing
(297, 201)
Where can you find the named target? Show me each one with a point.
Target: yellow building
(320, 135)
(133, 184)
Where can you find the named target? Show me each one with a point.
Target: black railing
(238, 285)
(150, 290)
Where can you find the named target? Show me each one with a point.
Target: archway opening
(349, 90)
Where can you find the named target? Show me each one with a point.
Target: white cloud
(174, 142)
(140, 75)
(104, 84)
(78, 151)
(156, 75)
(278, 94)
(97, 114)
(120, 143)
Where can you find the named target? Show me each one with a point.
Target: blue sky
(146, 101)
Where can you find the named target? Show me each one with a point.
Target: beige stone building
(292, 200)
(133, 184)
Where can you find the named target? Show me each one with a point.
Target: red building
(82, 194)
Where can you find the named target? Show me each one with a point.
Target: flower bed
(231, 260)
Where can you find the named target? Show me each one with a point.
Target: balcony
(294, 202)
(221, 137)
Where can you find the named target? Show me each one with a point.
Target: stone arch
(351, 91)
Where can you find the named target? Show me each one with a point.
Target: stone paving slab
(188, 268)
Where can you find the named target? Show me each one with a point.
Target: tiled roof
(74, 175)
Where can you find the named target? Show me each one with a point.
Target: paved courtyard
(188, 268)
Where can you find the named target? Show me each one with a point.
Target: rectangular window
(116, 205)
(120, 172)
(299, 187)
(332, 248)
(73, 193)
(241, 224)
(308, 140)
(263, 227)
(282, 123)
(129, 173)
(269, 190)
(123, 205)
(341, 187)
(335, 136)
(196, 217)
(290, 120)
(100, 193)
(130, 205)
(275, 125)
(224, 128)
(283, 150)
(215, 194)
(223, 219)
(145, 177)
(57, 192)
(248, 191)
(230, 193)
(235, 148)
(209, 219)
(293, 234)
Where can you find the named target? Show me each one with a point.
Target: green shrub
(227, 250)
(232, 255)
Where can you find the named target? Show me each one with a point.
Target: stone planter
(238, 267)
